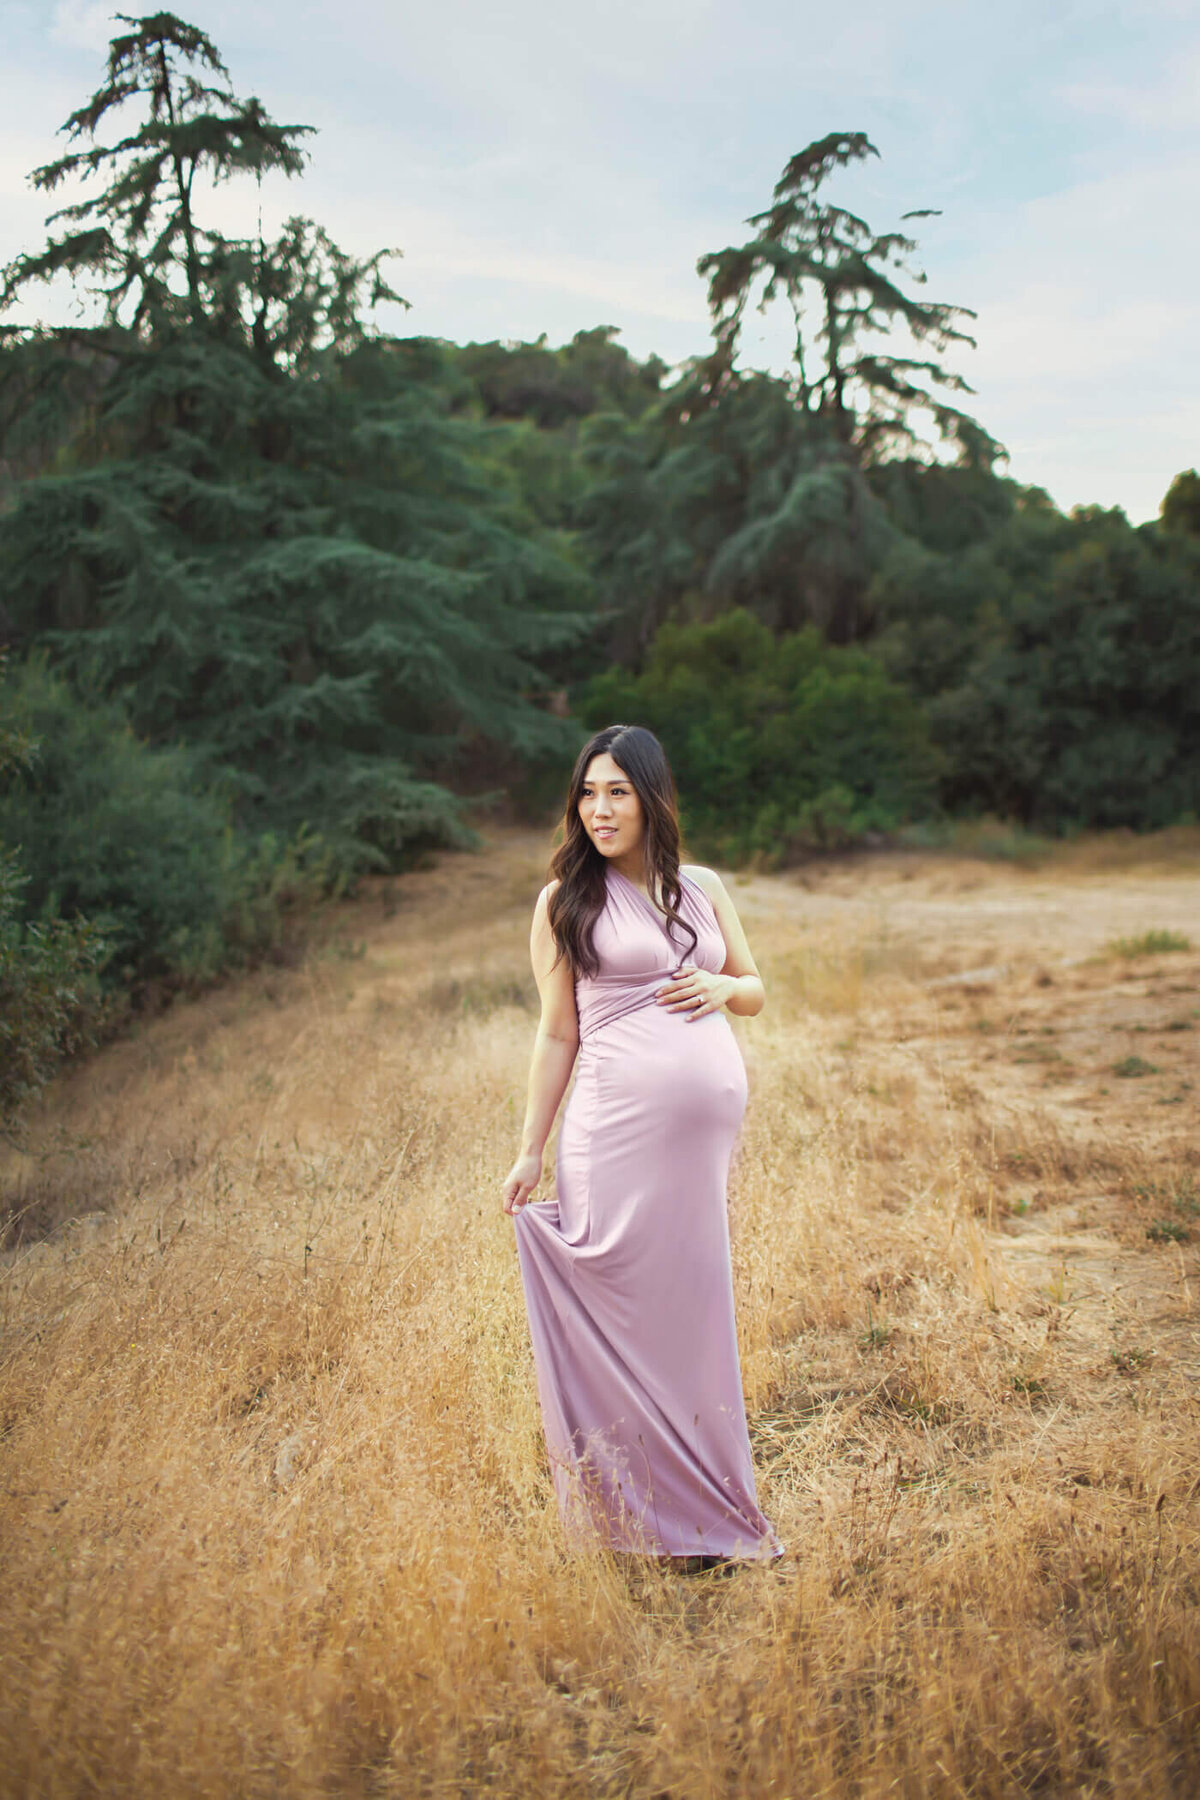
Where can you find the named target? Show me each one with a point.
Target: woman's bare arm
(554, 1050)
(739, 986)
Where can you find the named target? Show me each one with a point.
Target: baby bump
(654, 1071)
(645, 1145)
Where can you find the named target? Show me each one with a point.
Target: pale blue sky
(547, 167)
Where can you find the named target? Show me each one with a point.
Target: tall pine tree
(841, 282)
(261, 524)
(743, 488)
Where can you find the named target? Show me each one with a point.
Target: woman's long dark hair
(581, 871)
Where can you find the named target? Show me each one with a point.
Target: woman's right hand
(520, 1182)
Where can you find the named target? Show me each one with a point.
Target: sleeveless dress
(626, 1271)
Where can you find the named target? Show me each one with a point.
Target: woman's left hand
(696, 991)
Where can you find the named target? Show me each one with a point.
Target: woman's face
(609, 808)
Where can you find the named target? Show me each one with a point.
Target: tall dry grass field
(276, 1515)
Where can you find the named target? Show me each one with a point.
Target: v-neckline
(640, 892)
(660, 917)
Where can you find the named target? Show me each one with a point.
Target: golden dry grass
(276, 1518)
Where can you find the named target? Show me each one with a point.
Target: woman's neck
(633, 868)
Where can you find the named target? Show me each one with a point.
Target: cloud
(604, 286)
(19, 153)
(1052, 332)
(1089, 304)
(83, 24)
(1170, 102)
(550, 167)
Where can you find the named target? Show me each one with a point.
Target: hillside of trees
(282, 594)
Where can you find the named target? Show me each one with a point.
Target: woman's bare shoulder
(542, 903)
(708, 879)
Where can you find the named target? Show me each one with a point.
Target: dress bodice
(638, 949)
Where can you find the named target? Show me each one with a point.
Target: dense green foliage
(47, 966)
(287, 589)
(315, 582)
(704, 504)
(1181, 504)
(265, 530)
(110, 830)
(48, 997)
(553, 388)
(1060, 662)
(779, 745)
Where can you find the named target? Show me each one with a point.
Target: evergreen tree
(744, 489)
(839, 278)
(946, 507)
(731, 504)
(265, 530)
(140, 234)
(941, 595)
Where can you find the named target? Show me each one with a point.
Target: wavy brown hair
(581, 871)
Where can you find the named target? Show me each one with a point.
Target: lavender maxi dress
(626, 1272)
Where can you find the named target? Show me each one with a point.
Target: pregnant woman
(626, 1271)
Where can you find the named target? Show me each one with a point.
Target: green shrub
(1076, 708)
(1156, 942)
(779, 745)
(49, 1002)
(48, 997)
(127, 837)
